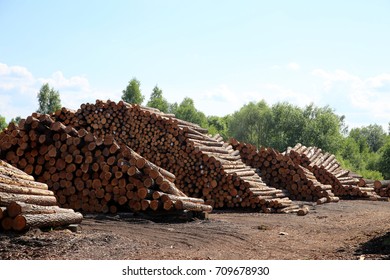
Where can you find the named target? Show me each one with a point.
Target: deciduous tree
(157, 100)
(48, 99)
(132, 94)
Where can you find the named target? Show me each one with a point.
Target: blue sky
(223, 54)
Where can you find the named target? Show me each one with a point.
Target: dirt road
(344, 230)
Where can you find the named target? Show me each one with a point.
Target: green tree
(186, 111)
(16, 120)
(157, 100)
(132, 94)
(323, 128)
(384, 160)
(48, 99)
(172, 108)
(3, 123)
(252, 124)
(372, 136)
(218, 125)
(288, 123)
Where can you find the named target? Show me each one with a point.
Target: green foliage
(288, 123)
(252, 124)
(384, 161)
(172, 108)
(186, 111)
(3, 123)
(48, 99)
(323, 128)
(218, 125)
(16, 120)
(132, 94)
(284, 125)
(372, 137)
(371, 174)
(158, 101)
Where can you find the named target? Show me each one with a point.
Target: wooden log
(15, 208)
(5, 188)
(22, 182)
(191, 206)
(25, 221)
(6, 223)
(2, 212)
(303, 211)
(165, 197)
(170, 188)
(14, 173)
(7, 198)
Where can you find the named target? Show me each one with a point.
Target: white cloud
(75, 83)
(293, 66)
(19, 88)
(15, 77)
(224, 100)
(368, 97)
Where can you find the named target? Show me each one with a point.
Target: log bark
(7, 198)
(186, 205)
(16, 208)
(25, 221)
(5, 188)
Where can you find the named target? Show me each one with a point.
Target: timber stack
(328, 171)
(204, 166)
(25, 203)
(279, 171)
(92, 174)
(382, 188)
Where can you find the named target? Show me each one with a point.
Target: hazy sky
(222, 54)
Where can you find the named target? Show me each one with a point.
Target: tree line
(364, 150)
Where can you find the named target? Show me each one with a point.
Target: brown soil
(344, 230)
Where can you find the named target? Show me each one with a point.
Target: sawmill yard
(152, 186)
(345, 230)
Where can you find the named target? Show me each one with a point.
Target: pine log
(2, 212)
(22, 182)
(16, 208)
(191, 206)
(25, 221)
(7, 198)
(4, 188)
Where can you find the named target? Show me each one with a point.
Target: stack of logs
(327, 170)
(88, 173)
(382, 188)
(281, 172)
(25, 203)
(204, 166)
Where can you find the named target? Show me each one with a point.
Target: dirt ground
(343, 230)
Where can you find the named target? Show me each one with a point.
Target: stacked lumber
(382, 188)
(204, 166)
(88, 173)
(279, 171)
(328, 171)
(25, 203)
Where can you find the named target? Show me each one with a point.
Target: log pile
(382, 188)
(25, 203)
(205, 167)
(279, 171)
(328, 171)
(88, 173)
